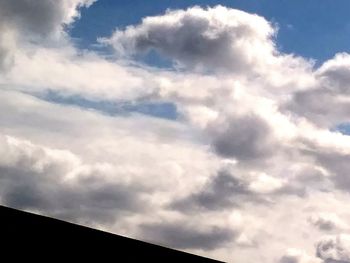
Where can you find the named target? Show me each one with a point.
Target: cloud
(68, 70)
(24, 23)
(227, 191)
(182, 235)
(321, 106)
(244, 138)
(334, 249)
(214, 38)
(57, 183)
(297, 256)
(239, 174)
(100, 175)
(7, 45)
(41, 17)
(327, 222)
(326, 102)
(224, 190)
(334, 161)
(334, 73)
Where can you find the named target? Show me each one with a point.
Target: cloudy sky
(220, 128)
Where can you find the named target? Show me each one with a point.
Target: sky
(312, 29)
(220, 128)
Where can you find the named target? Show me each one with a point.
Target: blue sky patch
(155, 109)
(343, 128)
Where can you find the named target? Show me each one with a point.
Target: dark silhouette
(30, 237)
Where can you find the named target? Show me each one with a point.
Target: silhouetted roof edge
(22, 230)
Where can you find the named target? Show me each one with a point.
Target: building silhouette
(26, 237)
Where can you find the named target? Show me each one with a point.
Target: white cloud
(265, 184)
(334, 74)
(71, 73)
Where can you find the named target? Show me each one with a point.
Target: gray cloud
(33, 179)
(82, 203)
(336, 163)
(39, 17)
(6, 47)
(297, 256)
(327, 222)
(245, 138)
(34, 21)
(334, 249)
(214, 38)
(223, 191)
(320, 106)
(182, 236)
(326, 103)
(289, 259)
